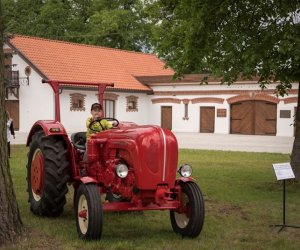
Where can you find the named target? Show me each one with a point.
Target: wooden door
(253, 118)
(207, 119)
(241, 118)
(265, 118)
(166, 117)
(12, 106)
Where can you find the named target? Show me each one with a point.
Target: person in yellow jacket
(97, 112)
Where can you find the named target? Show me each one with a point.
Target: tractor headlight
(121, 170)
(185, 170)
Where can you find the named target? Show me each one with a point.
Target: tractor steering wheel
(99, 121)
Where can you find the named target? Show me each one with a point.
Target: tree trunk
(295, 157)
(10, 221)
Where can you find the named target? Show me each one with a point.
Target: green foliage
(53, 19)
(21, 15)
(118, 24)
(56, 19)
(231, 38)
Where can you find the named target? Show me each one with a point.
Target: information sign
(283, 171)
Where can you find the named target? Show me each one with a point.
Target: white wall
(193, 123)
(285, 125)
(36, 100)
(140, 117)
(75, 120)
(222, 124)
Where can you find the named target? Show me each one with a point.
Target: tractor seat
(79, 139)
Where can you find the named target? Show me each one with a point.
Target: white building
(144, 92)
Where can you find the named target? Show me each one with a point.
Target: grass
(242, 200)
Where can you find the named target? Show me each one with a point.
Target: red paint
(83, 214)
(150, 153)
(37, 173)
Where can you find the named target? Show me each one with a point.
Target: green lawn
(242, 200)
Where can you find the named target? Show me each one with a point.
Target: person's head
(7, 115)
(96, 110)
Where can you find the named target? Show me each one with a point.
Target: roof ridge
(82, 44)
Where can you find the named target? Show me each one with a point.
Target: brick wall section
(185, 101)
(253, 96)
(134, 99)
(290, 100)
(110, 96)
(268, 98)
(208, 100)
(75, 98)
(219, 92)
(166, 100)
(239, 98)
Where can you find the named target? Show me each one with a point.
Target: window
(285, 114)
(132, 104)
(109, 104)
(77, 102)
(109, 108)
(186, 109)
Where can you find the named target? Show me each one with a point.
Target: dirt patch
(34, 240)
(212, 206)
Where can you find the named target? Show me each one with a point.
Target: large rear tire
(89, 213)
(47, 175)
(188, 220)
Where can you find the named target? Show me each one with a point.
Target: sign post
(283, 171)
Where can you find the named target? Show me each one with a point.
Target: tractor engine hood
(150, 150)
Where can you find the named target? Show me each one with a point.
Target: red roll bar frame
(55, 86)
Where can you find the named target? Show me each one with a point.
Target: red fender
(184, 179)
(49, 127)
(87, 179)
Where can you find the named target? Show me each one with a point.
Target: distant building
(144, 91)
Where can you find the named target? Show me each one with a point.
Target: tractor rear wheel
(189, 218)
(47, 175)
(89, 213)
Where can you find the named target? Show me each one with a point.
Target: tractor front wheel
(189, 218)
(88, 210)
(47, 175)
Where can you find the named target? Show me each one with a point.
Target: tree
(10, 221)
(53, 20)
(233, 39)
(119, 24)
(21, 15)
(49, 19)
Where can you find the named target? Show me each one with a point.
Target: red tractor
(133, 166)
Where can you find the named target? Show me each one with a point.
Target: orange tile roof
(67, 61)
